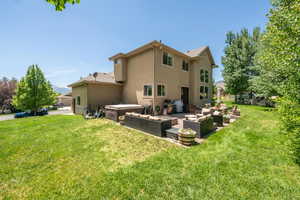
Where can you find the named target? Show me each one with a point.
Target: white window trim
(162, 59)
(157, 90)
(152, 90)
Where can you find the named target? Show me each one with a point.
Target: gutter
(85, 82)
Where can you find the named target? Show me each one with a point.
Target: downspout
(154, 88)
(212, 83)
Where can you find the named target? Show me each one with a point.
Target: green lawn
(65, 157)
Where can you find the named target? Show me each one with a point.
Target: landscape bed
(66, 157)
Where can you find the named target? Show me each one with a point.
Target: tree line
(32, 92)
(268, 64)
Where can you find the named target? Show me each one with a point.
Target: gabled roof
(195, 53)
(192, 54)
(145, 47)
(101, 78)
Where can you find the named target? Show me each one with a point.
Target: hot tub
(113, 112)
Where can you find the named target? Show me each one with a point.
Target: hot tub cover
(123, 106)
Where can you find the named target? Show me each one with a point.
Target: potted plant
(165, 106)
(226, 119)
(186, 136)
(157, 110)
(170, 109)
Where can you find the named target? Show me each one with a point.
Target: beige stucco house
(147, 76)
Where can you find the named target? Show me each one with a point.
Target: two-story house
(147, 76)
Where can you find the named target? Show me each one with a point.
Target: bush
(52, 108)
(290, 117)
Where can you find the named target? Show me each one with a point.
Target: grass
(65, 157)
(3, 114)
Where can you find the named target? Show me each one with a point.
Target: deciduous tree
(34, 91)
(238, 60)
(280, 57)
(7, 90)
(61, 4)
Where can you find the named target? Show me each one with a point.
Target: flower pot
(186, 138)
(226, 120)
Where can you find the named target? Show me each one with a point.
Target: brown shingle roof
(100, 78)
(196, 52)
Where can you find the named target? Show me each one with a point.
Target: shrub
(290, 118)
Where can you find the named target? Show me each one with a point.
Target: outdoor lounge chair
(202, 128)
(155, 127)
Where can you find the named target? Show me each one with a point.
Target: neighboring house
(220, 85)
(147, 76)
(64, 100)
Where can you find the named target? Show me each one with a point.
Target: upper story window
(167, 59)
(161, 90)
(185, 66)
(204, 76)
(117, 61)
(201, 75)
(147, 90)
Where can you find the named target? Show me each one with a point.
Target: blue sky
(79, 40)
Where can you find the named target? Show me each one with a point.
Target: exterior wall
(139, 73)
(120, 70)
(173, 77)
(64, 100)
(103, 95)
(147, 68)
(202, 63)
(80, 91)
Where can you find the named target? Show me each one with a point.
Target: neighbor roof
(101, 78)
(220, 84)
(64, 96)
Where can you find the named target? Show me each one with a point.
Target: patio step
(172, 133)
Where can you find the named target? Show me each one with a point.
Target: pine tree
(34, 91)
